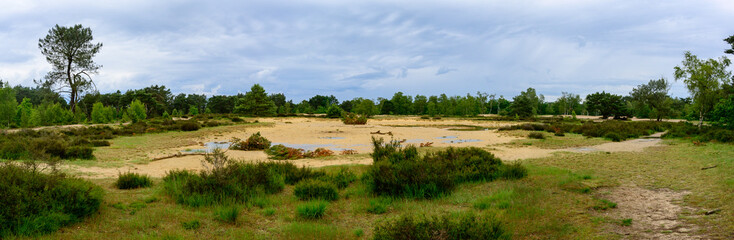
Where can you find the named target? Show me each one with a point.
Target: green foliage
(35, 203)
(655, 96)
(606, 105)
(343, 178)
(99, 113)
(255, 103)
(254, 142)
(165, 116)
(193, 110)
(8, 106)
(334, 111)
(280, 152)
(501, 199)
(312, 209)
(227, 214)
(23, 114)
(703, 80)
(131, 180)
(723, 113)
(316, 189)
(190, 125)
(613, 136)
(353, 119)
(513, 171)
(604, 204)
(626, 222)
(526, 104)
(463, 226)
(136, 112)
(191, 225)
(536, 135)
(378, 205)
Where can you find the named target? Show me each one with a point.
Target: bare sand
(309, 133)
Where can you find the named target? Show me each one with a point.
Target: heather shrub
(254, 142)
(536, 135)
(343, 178)
(464, 226)
(132, 180)
(35, 203)
(189, 125)
(353, 119)
(280, 152)
(316, 189)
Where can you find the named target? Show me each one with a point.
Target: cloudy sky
(373, 48)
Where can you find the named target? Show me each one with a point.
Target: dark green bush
(254, 142)
(100, 143)
(227, 214)
(132, 180)
(378, 205)
(343, 178)
(292, 173)
(536, 135)
(79, 152)
(613, 136)
(35, 203)
(465, 226)
(312, 210)
(513, 171)
(189, 126)
(316, 189)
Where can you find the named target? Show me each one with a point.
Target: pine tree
(255, 103)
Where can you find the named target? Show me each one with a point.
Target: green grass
(570, 140)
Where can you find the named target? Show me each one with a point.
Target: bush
(311, 210)
(536, 135)
(334, 111)
(35, 203)
(465, 226)
(316, 189)
(254, 142)
(343, 178)
(613, 136)
(80, 152)
(189, 125)
(136, 111)
(132, 180)
(513, 171)
(318, 152)
(353, 119)
(280, 152)
(100, 143)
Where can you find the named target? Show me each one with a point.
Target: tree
(703, 80)
(655, 95)
(730, 41)
(255, 103)
(136, 112)
(23, 113)
(723, 113)
(364, 107)
(8, 105)
(606, 104)
(70, 50)
(526, 104)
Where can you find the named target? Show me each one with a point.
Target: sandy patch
(654, 213)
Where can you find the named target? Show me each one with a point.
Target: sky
(373, 48)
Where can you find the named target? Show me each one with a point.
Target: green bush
(353, 119)
(334, 111)
(312, 210)
(254, 142)
(35, 203)
(316, 189)
(131, 180)
(100, 143)
(536, 135)
(513, 171)
(136, 111)
(189, 126)
(227, 214)
(465, 226)
(613, 136)
(343, 178)
(79, 152)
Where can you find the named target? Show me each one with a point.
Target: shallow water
(446, 137)
(331, 137)
(209, 147)
(462, 141)
(305, 146)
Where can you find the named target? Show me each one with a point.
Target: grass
(570, 140)
(311, 210)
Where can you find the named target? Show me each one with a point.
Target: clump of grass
(343, 178)
(131, 180)
(501, 199)
(358, 232)
(227, 214)
(254, 142)
(626, 222)
(34, 203)
(603, 204)
(536, 135)
(378, 205)
(464, 226)
(311, 210)
(268, 212)
(513, 171)
(316, 189)
(191, 225)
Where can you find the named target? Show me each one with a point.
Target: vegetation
(312, 209)
(254, 142)
(354, 119)
(131, 180)
(465, 226)
(280, 152)
(255, 103)
(703, 80)
(35, 203)
(316, 189)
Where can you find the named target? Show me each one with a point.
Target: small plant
(191, 225)
(268, 212)
(353, 119)
(536, 135)
(378, 205)
(465, 226)
(254, 142)
(613, 136)
(227, 214)
(358, 232)
(280, 152)
(131, 180)
(318, 152)
(311, 210)
(189, 126)
(626, 222)
(348, 152)
(604, 204)
(343, 178)
(513, 171)
(316, 189)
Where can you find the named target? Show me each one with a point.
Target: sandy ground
(309, 133)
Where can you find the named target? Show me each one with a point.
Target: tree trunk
(72, 98)
(700, 119)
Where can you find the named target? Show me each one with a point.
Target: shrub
(316, 189)
(100, 143)
(80, 152)
(613, 136)
(343, 178)
(227, 214)
(237, 119)
(465, 226)
(311, 210)
(378, 205)
(318, 152)
(280, 152)
(536, 135)
(188, 126)
(254, 142)
(132, 180)
(513, 171)
(35, 203)
(292, 173)
(334, 111)
(353, 119)
(136, 111)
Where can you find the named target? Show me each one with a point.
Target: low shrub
(100, 143)
(464, 226)
(227, 214)
(131, 180)
(513, 171)
(316, 189)
(254, 142)
(613, 136)
(189, 126)
(79, 152)
(536, 135)
(318, 152)
(353, 119)
(343, 178)
(35, 203)
(237, 119)
(280, 152)
(312, 210)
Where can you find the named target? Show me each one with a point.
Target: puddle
(585, 149)
(331, 137)
(446, 137)
(415, 140)
(304, 146)
(209, 147)
(462, 141)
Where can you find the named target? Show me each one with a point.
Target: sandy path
(311, 133)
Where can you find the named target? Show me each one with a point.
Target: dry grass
(571, 140)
